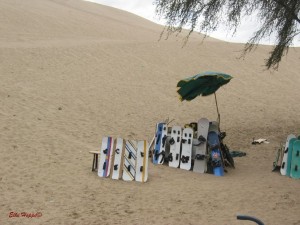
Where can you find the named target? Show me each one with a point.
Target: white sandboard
(129, 160)
(200, 160)
(142, 155)
(175, 144)
(117, 167)
(186, 152)
(105, 157)
(285, 155)
(160, 143)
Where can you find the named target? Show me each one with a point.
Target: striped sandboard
(105, 157)
(117, 167)
(141, 173)
(129, 160)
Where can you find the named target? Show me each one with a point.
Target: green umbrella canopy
(204, 84)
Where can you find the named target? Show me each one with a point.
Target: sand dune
(72, 72)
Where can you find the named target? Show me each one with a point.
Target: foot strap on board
(172, 141)
(105, 151)
(104, 165)
(185, 159)
(117, 151)
(163, 156)
(184, 141)
(214, 145)
(200, 157)
(170, 157)
(116, 167)
(158, 154)
(164, 141)
(286, 151)
(216, 163)
(157, 139)
(201, 139)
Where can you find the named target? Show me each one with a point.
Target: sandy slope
(110, 75)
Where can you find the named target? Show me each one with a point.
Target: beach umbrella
(202, 84)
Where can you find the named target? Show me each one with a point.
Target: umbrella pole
(219, 119)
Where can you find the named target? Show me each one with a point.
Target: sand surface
(73, 71)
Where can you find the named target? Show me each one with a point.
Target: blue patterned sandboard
(214, 145)
(160, 143)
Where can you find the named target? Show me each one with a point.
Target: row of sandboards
(181, 150)
(123, 159)
(288, 157)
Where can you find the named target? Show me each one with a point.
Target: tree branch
(280, 2)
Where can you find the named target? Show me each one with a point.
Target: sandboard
(215, 152)
(284, 166)
(214, 126)
(105, 157)
(200, 160)
(186, 151)
(160, 143)
(129, 164)
(167, 148)
(278, 159)
(289, 158)
(156, 141)
(142, 155)
(194, 143)
(117, 167)
(295, 162)
(175, 144)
